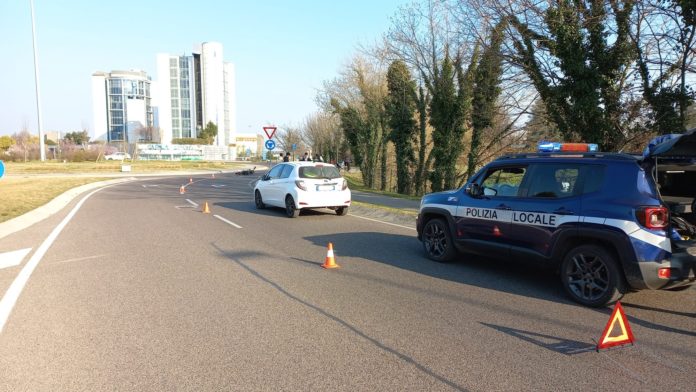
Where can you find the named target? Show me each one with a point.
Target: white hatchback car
(300, 185)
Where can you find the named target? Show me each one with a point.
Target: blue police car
(609, 222)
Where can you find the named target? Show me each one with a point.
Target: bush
(189, 141)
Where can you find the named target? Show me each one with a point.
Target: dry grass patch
(54, 167)
(21, 195)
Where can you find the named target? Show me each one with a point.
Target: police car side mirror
(473, 189)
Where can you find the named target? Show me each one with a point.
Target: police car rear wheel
(591, 276)
(437, 241)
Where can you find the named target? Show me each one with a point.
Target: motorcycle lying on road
(246, 172)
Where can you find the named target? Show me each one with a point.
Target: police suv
(608, 222)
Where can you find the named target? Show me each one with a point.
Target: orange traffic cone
(330, 262)
(182, 190)
(206, 209)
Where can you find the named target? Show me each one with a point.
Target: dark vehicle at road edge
(607, 222)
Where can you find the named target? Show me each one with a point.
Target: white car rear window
(323, 171)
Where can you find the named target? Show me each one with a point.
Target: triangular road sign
(271, 130)
(625, 335)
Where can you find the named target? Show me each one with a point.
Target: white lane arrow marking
(11, 259)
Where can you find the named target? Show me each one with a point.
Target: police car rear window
(565, 180)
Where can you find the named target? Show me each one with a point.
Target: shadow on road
(238, 258)
(553, 343)
(507, 276)
(405, 252)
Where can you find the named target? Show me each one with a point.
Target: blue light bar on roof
(545, 146)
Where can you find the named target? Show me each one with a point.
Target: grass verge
(355, 181)
(21, 195)
(55, 167)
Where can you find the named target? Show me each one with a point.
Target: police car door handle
(503, 207)
(563, 211)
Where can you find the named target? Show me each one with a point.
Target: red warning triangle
(269, 129)
(624, 336)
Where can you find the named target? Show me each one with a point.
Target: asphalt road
(141, 291)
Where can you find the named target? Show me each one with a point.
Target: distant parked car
(117, 156)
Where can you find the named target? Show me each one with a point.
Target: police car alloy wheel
(591, 276)
(437, 241)
(290, 208)
(258, 200)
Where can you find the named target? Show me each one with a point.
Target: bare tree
(322, 132)
(358, 97)
(288, 136)
(663, 35)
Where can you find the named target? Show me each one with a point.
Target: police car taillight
(653, 217)
(545, 146)
(664, 273)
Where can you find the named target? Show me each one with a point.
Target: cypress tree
(400, 108)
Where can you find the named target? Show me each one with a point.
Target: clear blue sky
(282, 51)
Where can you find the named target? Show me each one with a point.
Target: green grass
(355, 181)
(55, 167)
(21, 195)
(385, 208)
(28, 185)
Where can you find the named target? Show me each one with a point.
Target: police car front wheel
(437, 241)
(591, 276)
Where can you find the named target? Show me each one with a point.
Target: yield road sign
(271, 130)
(270, 144)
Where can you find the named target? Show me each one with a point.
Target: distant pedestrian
(347, 161)
(286, 158)
(306, 157)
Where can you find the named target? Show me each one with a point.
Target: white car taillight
(345, 185)
(301, 184)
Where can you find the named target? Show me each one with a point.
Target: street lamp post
(36, 81)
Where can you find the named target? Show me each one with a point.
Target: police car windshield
(322, 171)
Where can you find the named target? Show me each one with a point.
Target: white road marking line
(11, 259)
(178, 207)
(193, 203)
(218, 186)
(386, 223)
(228, 222)
(9, 300)
(78, 259)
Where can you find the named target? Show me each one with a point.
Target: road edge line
(11, 296)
